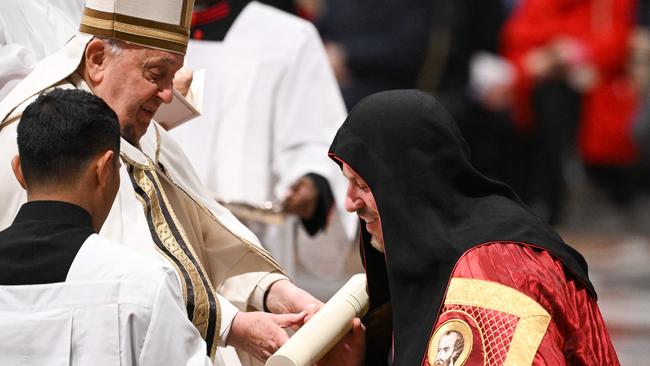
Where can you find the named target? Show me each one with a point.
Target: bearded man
(461, 252)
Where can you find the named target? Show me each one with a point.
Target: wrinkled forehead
(146, 55)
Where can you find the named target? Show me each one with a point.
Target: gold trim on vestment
(533, 318)
(136, 164)
(250, 245)
(200, 317)
(176, 267)
(157, 144)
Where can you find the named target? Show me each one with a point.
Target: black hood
(434, 206)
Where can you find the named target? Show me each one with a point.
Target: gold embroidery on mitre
(145, 32)
(451, 343)
(531, 318)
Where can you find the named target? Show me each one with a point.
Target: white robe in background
(227, 252)
(271, 107)
(30, 30)
(115, 308)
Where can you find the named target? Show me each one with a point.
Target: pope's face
(136, 81)
(359, 199)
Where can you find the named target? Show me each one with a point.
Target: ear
(95, 60)
(104, 165)
(18, 171)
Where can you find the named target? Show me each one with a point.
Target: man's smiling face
(136, 81)
(359, 199)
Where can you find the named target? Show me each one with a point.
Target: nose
(352, 201)
(165, 93)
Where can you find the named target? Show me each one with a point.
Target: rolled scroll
(314, 339)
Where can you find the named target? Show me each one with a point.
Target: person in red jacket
(571, 57)
(473, 276)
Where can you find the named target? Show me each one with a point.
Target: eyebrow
(159, 60)
(357, 180)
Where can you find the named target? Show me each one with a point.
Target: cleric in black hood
(472, 275)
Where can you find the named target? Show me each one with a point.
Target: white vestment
(114, 308)
(31, 30)
(271, 107)
(170, 212)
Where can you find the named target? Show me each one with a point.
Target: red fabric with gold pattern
(520, 318)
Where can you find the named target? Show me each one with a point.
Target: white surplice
(271, 109)
(114, 308)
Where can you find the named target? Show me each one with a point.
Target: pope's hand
(285, 297)
(261, 334)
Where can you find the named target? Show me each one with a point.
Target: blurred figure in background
(640, 68)
(30, 31)
(475, 87)
(570, 57)
(375, 46)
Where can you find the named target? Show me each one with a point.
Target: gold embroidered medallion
(451, 344)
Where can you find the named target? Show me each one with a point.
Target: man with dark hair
(65, 293)
(62, 133)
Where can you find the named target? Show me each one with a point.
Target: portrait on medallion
(450, 344)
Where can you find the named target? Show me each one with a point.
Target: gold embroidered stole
(172, 241)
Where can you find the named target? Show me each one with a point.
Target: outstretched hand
(261, 334)
(285, 297)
